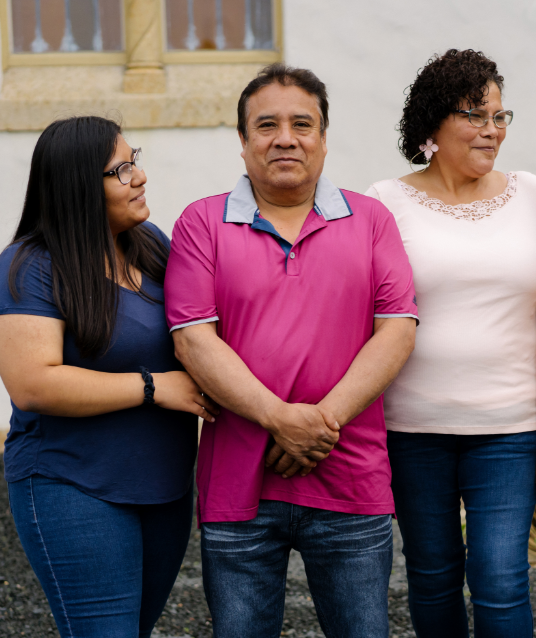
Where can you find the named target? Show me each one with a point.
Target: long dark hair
(65, 214)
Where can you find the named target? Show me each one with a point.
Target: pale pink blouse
(473, 370)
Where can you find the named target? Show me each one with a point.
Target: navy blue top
(139, 455)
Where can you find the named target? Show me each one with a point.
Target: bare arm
(372, 371)
(301, 430)
(31, 367)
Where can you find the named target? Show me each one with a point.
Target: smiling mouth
(139, 197)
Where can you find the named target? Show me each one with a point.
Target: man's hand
(304, 434)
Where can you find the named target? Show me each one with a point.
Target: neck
(448, 179)
(284, 202)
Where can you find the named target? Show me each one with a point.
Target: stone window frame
(151, 86)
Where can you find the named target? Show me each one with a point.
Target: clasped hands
(303, 434)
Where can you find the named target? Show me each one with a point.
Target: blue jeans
(494, 474)
(347, 559)
(106, 569)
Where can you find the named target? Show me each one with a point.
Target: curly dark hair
(438, 90)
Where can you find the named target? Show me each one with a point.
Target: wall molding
(201, 95)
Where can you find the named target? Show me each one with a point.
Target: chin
(144, 214)
(288, 179)
(141, 217)
(483, 168)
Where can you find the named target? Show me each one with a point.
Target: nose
(138, 176)
(490, 130)
(285, 137)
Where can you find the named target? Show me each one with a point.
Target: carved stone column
(143, 25)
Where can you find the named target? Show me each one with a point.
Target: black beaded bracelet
(149, 385)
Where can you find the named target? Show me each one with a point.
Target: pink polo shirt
(297, 315)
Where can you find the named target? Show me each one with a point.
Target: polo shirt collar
(240, 206)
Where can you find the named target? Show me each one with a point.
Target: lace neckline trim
(473, 211)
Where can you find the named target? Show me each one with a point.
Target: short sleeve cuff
(395, 316)
(37, 312)
(193, 323)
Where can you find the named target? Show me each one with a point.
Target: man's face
(285, 148)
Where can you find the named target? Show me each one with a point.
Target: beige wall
(367, 52)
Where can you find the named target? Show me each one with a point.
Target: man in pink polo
(291, 303)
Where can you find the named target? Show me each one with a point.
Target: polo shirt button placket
(292, 264)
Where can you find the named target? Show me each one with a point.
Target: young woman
(103, 436)
(462, 413)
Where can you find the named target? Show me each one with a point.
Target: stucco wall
(367, 53)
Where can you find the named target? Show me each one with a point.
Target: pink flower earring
(428, 149)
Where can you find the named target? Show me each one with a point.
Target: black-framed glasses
(124, 170)
(480, 117)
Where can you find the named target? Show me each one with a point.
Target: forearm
(222, 374)
(373, 369)
(62, 390)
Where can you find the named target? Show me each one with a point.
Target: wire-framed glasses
(480, 117)
(124, 170)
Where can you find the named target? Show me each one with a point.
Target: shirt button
(292, 255)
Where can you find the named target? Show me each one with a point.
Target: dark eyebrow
(304, 117)
(262, 118)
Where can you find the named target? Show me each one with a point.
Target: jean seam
(48, 558)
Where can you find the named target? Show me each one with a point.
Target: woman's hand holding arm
(31, 367)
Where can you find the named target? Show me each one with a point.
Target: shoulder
(524, 178)
(34, 283)
(153, 230)
(201, 217)
(366, 206)
(206, 209)
(33, 259)
(383, 189)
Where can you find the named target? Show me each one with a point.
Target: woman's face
(470, 149)
(125, 203)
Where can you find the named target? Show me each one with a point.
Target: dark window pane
(262, 24)
(53, 22)
(205, 23)
(112, 32)
(177, 24)
(234, 16)
(23, 12)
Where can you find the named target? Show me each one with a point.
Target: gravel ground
(24, 610)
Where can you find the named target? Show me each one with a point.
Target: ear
(324, 143)
(244, 144)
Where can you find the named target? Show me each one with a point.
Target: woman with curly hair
(462, 413)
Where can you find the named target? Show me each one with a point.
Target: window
(62, 32)
(220, 31)
(66, 25)
(219, 25)
(161, 63)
